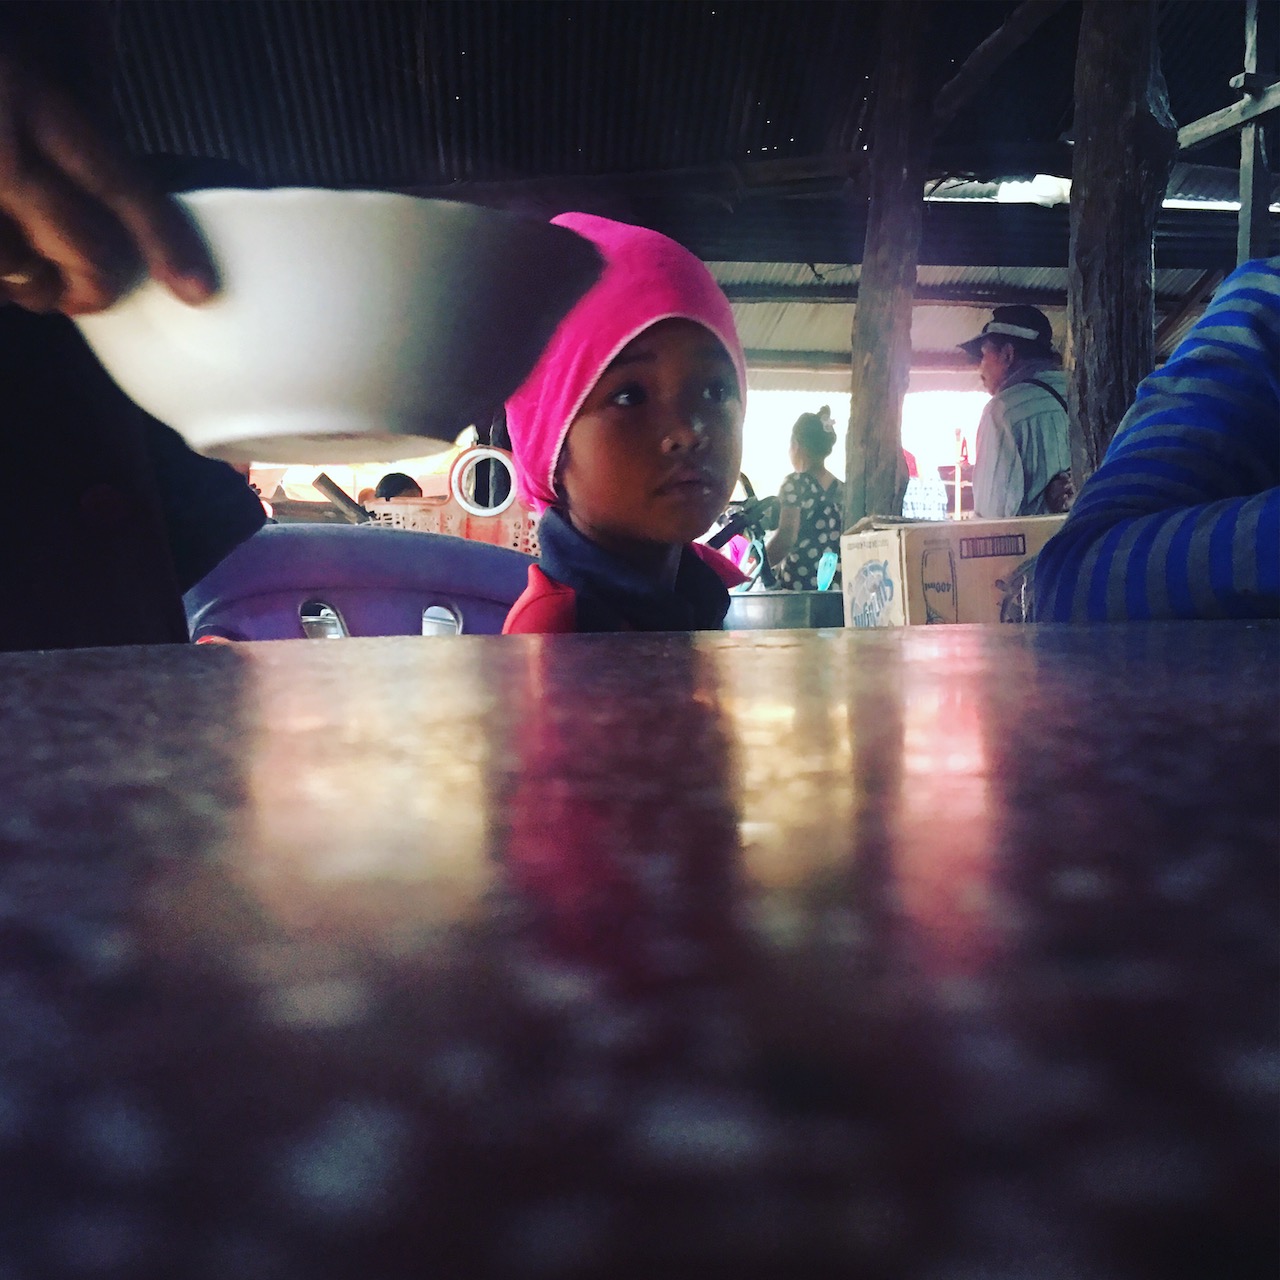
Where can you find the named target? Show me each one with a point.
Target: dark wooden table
(943, 953)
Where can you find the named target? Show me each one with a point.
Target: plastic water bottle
(827, 567)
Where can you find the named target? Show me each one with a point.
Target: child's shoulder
(545, 607)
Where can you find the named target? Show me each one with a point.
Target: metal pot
(784, 610)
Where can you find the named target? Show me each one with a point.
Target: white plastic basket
(508, 524)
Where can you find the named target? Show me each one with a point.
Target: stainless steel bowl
(784, 610)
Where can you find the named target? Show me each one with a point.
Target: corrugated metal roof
(823, 329)
(982, 282)
(1209, 182)
(789, 327)
(1021, 278)
(1016, 126)
(733, 126)
(784, 275)
(407, 93)
(1187, 181)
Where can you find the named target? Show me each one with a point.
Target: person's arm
(782, 541)
(1182, 518)
(80, 222)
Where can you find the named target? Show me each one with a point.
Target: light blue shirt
(1023, 442)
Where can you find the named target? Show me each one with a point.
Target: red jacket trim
(545, 607)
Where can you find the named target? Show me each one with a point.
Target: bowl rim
(202, 197)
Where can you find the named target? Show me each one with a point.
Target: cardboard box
(908, 573)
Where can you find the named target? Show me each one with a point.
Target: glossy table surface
(943, 953)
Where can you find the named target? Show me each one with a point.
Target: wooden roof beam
(838, 361)
(979, 296)
(1255, 180)
(1237, 114)
(989, 56)
(1192, 303)
(738, 176)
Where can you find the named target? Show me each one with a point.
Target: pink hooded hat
(647, 278)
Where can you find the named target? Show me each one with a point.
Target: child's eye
(628, 397)
(719, 390)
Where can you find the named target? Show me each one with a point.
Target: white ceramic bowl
(350, 324)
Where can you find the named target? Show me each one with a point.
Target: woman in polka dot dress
(812, 508)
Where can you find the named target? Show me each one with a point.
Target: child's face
(653, 455)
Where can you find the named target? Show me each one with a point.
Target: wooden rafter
(740, 175)
(1261, 94)
(1255, 179)
(1237, 114)
(989, 56)
(1192, 303)
(979, 296)
(823, 361)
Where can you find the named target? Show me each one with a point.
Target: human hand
(80, 223)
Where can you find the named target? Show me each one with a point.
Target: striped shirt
(1182, 518)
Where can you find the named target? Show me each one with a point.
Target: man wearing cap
(1024, 450)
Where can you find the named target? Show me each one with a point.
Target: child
(628, 437)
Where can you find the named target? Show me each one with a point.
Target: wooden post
(1255, 180)
(902, 131)
(875, 470)
(1125, 141)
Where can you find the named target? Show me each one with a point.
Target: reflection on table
(930, 953)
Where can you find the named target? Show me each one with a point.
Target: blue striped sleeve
(1182, 518)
